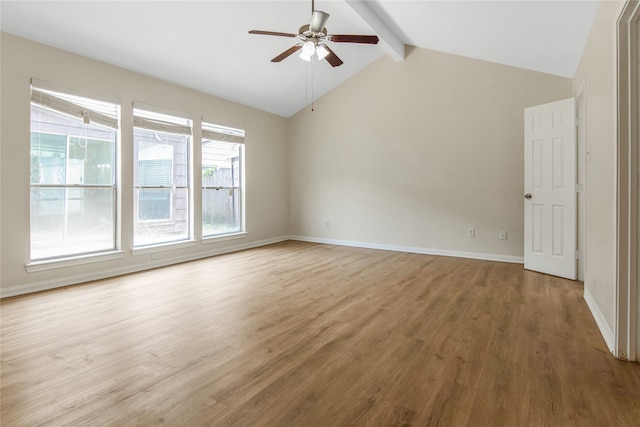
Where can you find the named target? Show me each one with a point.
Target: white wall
(266, 158)
(411, 154)
(598, 67)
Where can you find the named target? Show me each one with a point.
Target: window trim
(71, 261)
(222, 237)
(161, 247)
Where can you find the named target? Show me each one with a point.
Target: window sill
(143, 250)
(222, 238)
(35, 266)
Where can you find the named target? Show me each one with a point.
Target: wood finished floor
(300, 334)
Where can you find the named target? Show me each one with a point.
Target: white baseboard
(103, 274)
(414, 250)
(605, 330)
(44, 285)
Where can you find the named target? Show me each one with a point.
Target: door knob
(527, 196)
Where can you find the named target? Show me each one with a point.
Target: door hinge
(579, 188)
(579, 121)
(578, 254)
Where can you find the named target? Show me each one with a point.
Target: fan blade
(272, 33)
(351, 38)
(286, 53)
(332, 58)
(318, 19)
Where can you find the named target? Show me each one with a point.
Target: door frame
(581, 178)
(626, 322)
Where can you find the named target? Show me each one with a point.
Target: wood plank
(304, 334)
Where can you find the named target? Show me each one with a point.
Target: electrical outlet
(502, 235)
(326, 223)
(471, 233)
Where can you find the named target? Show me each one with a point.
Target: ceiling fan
(314, 39)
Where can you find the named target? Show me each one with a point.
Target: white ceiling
(205, 45)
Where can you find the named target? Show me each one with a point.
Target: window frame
(145, 119)
(218, 133)
(88, 116)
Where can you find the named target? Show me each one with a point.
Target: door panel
(550, 179)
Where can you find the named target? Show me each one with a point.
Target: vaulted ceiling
(205, 45)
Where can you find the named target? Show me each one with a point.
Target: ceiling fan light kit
(314, 39)
(322, 51)
(308, 49)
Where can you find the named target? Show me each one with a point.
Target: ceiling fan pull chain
(306, 83)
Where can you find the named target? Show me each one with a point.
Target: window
(161, 178)
(72, 175)
(222, 163)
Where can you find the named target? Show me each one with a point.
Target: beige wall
(405, 154)
(266, 159)
(411, 154)
(597, 68)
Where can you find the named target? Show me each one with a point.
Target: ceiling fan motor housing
(318, 21)
(305, 33)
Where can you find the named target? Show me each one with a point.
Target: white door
(550, 188)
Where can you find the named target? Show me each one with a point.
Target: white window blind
(160, 122)
(221, 133)
(76, 107)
